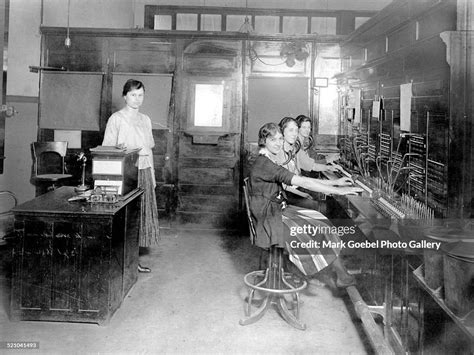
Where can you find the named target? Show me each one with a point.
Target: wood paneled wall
(115, 54)
(199, 171)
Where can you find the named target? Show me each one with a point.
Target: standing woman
(131, 129)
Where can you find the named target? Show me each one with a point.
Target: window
(163, 22)
(187, 22)
(210, 22)
(323, 25)
(264, 21)
(267, 24)
(234, 22)
(208, 105)
(295, 25)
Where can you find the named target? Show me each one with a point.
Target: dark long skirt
(318, 247)
(149, 226)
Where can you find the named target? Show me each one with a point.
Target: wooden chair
(273, 283)
(52, 171)
(8, 200)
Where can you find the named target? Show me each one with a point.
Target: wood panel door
(208, 132)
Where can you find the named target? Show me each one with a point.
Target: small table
(73, 261)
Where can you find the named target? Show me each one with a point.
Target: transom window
(264, 21)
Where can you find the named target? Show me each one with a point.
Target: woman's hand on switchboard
(344, 181)
(334, 167)
(349, 190)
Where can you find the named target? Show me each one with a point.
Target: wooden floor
(192, 303)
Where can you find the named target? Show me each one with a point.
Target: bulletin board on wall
(157, 95)
(70, 100)
(272, 98)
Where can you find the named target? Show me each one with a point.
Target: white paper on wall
(357, 105)
(376, 109)
(406, 94)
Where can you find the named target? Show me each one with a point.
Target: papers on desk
(107, 149)
(113, 150)
(81, 197)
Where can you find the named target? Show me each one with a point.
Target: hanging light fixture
(246, 26)
(67, 41)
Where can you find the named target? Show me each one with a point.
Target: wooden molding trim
(20, 98)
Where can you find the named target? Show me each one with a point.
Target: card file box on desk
(115, 168)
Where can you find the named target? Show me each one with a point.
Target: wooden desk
(73, 261)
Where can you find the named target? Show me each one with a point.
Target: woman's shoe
(143, 269)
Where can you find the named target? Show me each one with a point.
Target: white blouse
(132, 133)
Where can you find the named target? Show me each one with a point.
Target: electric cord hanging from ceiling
(253, 55)
(67, 41)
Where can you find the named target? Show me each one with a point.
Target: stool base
(274, 283)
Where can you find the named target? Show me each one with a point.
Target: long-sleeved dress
(304, 159)
(295, 163)
(137, 133)
(274, 225)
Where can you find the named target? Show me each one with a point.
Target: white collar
(266, 153)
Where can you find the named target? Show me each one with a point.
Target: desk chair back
(253, 233)
(56, 151)
(7, 202)
(48, 165)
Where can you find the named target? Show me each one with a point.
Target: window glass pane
(186, 22)
(328, 102)
(162, 22)
(234, 22)
(323, 25)
(210, 22)
(208, 105)
(295, 25)
(267, 24)
(360, 20)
